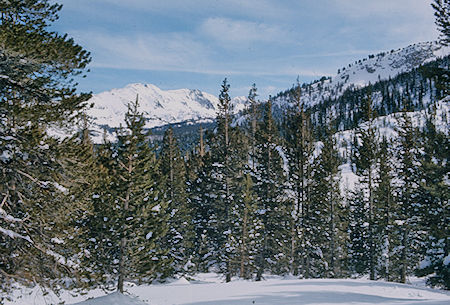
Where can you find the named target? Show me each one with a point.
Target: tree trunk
(123, 240)
(371, 238)
(404, 258)
(332, 237)
(243, 273)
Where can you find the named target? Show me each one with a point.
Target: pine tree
(407, 215)
(201, 196)
(433, 196)
(384, 205)
(270, 179)
(129, 218)
(249, 221)
(358, 248)
(299, 149)
(324, 213)
(248, 228)
(36, 90)
(365, 158)
(229, 155)
(80, 178)
(442, 15)
(252, 109)
(179, 238)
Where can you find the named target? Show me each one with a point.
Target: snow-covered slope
(382, 66)
(160, 107)
(386, 126)
(209, 289)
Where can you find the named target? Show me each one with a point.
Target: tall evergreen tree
(248, 229)
(442, 15)
(201, 196)
(358, 248)
(384, 208)
(179, 237)
(324, 213)
(130, 219)
(365, 159)
(299, 149)
(36, 90)
(433, 198)
(229, 155)
(270, 179)
(407, 214)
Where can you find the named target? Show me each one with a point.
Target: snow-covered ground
(210, 289)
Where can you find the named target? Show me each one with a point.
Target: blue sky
(196, 44)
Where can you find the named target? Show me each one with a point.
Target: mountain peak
(160, 107)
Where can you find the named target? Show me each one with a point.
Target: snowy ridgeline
(209, 289)
(162, 107)
(370, 70)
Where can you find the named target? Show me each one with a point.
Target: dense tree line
(265, 198)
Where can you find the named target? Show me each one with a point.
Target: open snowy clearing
(209, 289)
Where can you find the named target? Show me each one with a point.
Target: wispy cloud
(405, 21)
(181, 52)
(173, 51)
(363, 9)
(257, 8)
(267, 40)
(226, 31)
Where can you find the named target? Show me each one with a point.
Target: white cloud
(256, 8)
(398, 22)
(146, 51)
(364, 9)
(241, 32)
(177, 52)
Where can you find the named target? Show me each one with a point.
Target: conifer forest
(354, 185)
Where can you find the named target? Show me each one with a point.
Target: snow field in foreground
(209, 289)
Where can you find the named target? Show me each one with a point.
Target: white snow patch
(113, 299)
(446, 260)
(208, 289)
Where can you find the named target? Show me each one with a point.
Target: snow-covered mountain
(163, 107)
(160, 107)
(370, 70)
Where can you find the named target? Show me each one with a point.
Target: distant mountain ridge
(370, 70)
(160, 107)
(190, 106)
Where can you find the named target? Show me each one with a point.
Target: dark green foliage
(358, 234)
(442, 15)
(408, 213)
(36, 68)
(201, 196)
(228, 152)
(323, 214)
(180, 235)
(299, 145)
(129, 217)
(365, 159)
(270, 179)
(384, 209)
(433, 195)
